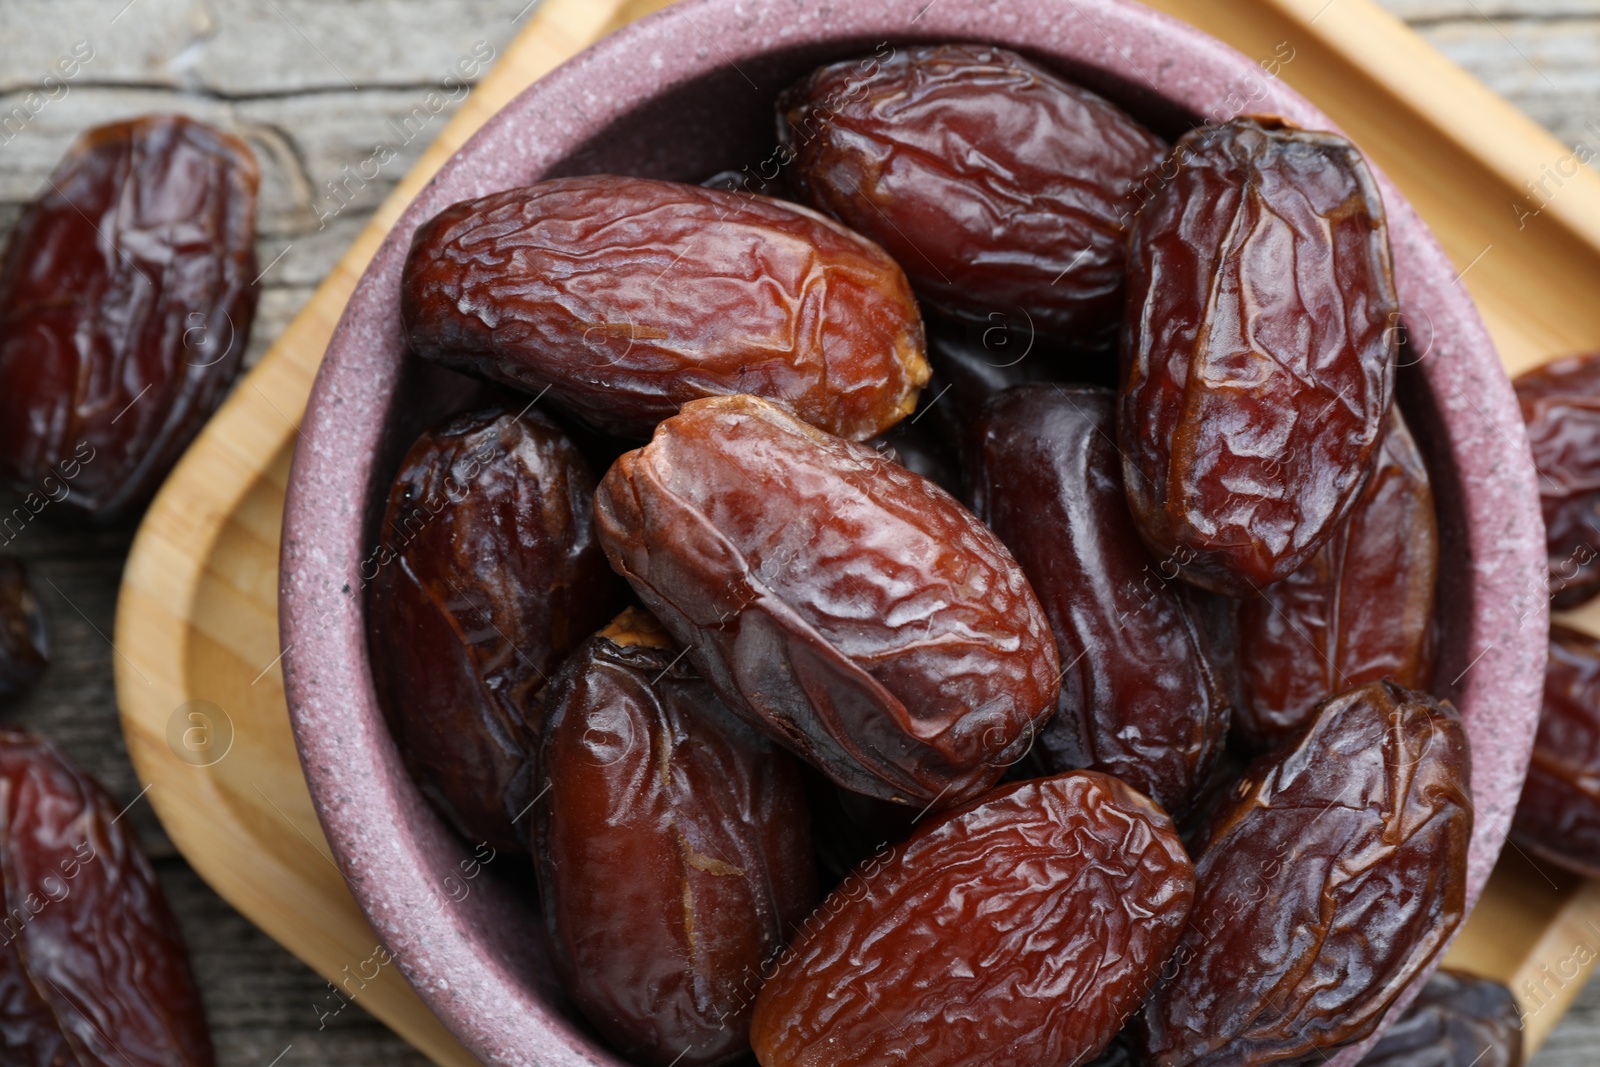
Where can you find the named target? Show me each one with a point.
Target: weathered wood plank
(1551, 70)
(321, 155)
(249, 48)
(1424, 11)
(264, 1003)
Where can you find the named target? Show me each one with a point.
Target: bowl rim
(389, 844)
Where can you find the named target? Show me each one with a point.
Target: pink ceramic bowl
(682, 95)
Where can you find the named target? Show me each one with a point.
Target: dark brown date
(972, 364)
(998, 186)
(1558, 814)
(1258, 350)
(1458, 1020)
(626, 297)
(32, 1037)
(24, 642)
(1359, 610)
(1561, 405)
(848, 607)
(93, 972)
(1019, 930)
(1216, 793)
(673, 845)
(126, 297)
(1335, 876)
(1138, 697)
(488, 575)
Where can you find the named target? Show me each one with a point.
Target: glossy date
(1359, 610)
(1458, 1020)
(627, 297)
(673, 847)
(850, 608)
(1301, 936)
(126, 298)
(93, 971)
(1560, 404)
(923, 452)
(24, 642)
(1558, 814)
(1018, 930)
(1258, 350)
(1139, 698)
(1000, 187)
(490, 573)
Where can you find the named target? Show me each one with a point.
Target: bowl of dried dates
(915, 533)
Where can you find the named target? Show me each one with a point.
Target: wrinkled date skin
(1458, 1020)
(489, 574)
(1558, 815)
(1257, 348)
(1019, 930)
(674, 849)
(998, 186)
(1334, 878)
(1359, 610)
(922, 452)
(24, 642)
(850, 608)
(1138, 698)
(627, 297)
(1561, 405)
(126, 297)
(93, 972)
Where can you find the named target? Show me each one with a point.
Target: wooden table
(315, 86)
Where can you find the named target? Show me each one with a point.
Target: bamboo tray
(198, 685)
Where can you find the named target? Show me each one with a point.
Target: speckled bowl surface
(682, 95)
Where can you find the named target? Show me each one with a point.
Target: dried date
(973, 364)
(673, 845)
(490, 572)
(848, 607)
(1139, 698)
(1258, 350)
(24, 642)
(922, 452)
(1000, 187)
(627, 297)
(1560, 404)
(1019, 930)
(126, 298)
(1558, 814)
(1335, 876)
(1458, 1020)
(1359, 610)
(93, 970)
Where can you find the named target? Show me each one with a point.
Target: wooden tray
(198, 685)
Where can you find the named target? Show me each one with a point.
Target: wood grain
(197, 619)
(256, 67)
